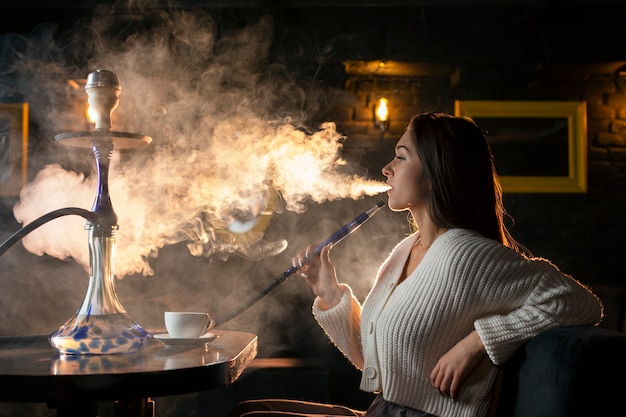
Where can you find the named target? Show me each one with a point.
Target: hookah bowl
(101, 325)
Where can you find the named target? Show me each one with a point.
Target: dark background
(495, 50)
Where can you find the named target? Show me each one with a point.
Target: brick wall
(582, 233)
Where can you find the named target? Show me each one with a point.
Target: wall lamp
(381, 114)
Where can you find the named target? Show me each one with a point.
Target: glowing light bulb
(381, 114)
(382, 110)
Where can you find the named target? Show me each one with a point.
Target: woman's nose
(386, 172)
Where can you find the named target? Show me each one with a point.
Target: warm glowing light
(381, 114)
(91, 115)
(382, 110)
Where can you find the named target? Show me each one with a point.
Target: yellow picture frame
(567, 123)
(13, 148)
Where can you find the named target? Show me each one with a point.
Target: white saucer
(168, 340)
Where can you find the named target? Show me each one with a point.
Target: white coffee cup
(187, 324)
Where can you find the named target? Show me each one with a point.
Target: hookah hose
(17, 236)
(333, 239)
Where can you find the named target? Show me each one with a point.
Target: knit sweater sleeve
(342, 324)
(553, 299)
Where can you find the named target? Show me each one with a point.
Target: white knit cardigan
(464, 282)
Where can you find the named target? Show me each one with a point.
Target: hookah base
(99, 335)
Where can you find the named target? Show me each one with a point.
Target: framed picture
(538, 146)
(13, 147)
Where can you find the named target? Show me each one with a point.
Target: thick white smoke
(230, 142)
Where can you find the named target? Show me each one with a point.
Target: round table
(32, 371)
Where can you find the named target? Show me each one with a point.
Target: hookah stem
(17, 236)
(335, 238)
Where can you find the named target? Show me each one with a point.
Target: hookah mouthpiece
(333, 239)
(339, 235)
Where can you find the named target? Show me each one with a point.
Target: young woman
(453, 300)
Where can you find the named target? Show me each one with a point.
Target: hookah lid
(103, 78)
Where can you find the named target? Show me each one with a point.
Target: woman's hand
(453, 368)
(319, 273)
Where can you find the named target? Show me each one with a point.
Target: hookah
(100, 325)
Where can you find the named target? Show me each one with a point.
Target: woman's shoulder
(471, 241)
(473, 247)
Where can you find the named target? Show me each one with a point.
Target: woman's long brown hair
(457, 159)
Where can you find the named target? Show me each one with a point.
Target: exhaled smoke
(229, 146)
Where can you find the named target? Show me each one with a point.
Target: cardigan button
(370, 373)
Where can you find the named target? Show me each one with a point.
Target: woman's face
(409, 187)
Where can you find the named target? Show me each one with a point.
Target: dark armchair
(566, 372)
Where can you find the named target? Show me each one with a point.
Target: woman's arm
(555, 299)
(335, 308)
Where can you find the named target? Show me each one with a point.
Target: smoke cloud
(231, 143)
